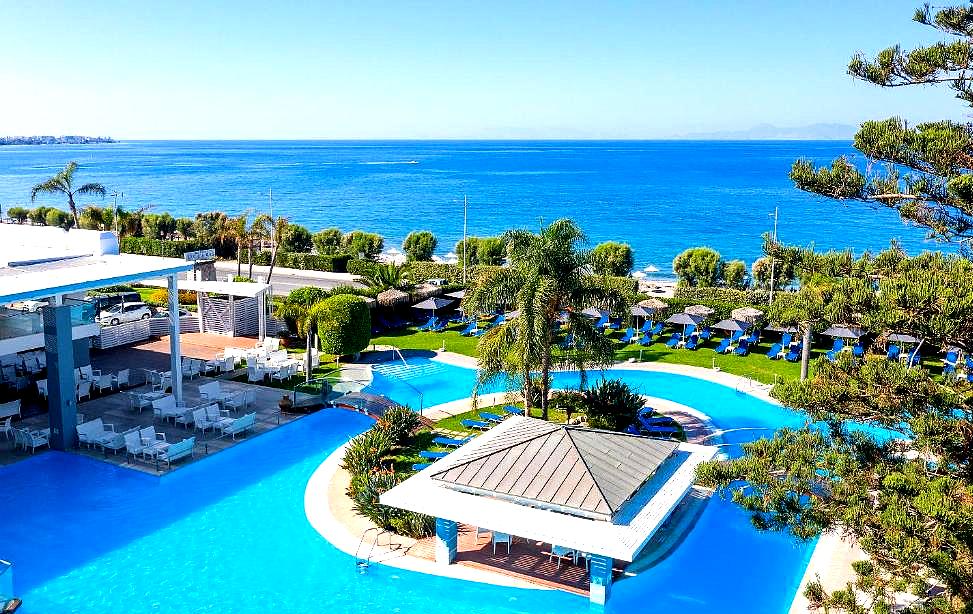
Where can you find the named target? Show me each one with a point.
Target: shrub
(160, 247)
(612, 405)
(363, 268)
(327, 242)
(110, 290)
(698, 266)
(18, 214)
(783, 273)
(61, 219)
(366, 452)
(399, 423)
(343, 323)
(413, 525)
(361, 244)
(741, 298)
(734, 274)
(308, 262)
(296, 239)
(613, 258)
(38, 215)
(420, 245)
(570, 401)
(161, 297)
(242, 278)
(419, 272)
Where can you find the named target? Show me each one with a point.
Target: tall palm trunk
(273, 261)
(806, 351)
(307, 359)
(74, 210)
(239, 257)
(250, 258)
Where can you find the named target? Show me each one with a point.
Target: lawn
(756, 366)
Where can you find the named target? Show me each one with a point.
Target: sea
(658, 196)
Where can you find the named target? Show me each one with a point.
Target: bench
(176, 451)
(240, 425)
(11, 409)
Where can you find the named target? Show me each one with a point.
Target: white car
(31, 306)
(125, 312)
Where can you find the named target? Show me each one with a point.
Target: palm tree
(548, 281)
(236, 230)
(63, 183)
(297, 306)
(278, 231)
(385, 276)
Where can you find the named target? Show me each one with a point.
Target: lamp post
(466, 247)
(114, 209)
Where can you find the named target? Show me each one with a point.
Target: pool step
(408, 372)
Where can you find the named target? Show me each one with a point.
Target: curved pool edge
(324, 522)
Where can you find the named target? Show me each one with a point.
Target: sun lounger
(774, 352)
(743, 348)
(736, 336)
(240, 425)
(690, 330)
(429, 323)
(646, 339)
(723, 347)
(475, 424)
(470, 329)
(949, 363)
(893, 353)
(449, 442)
(428, 454)
(646, 326)
(489, 417)
(835, 348)
(694, 343)
(786, 340)
(602, 322)
(858, 350)
(420, 466)
(628, 336)
(794, 354)
(674, 340)
(660, 430)
(657, 328)
(706, 333)
(513, 411)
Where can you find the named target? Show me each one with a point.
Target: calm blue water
(229, 534)
(659, 196)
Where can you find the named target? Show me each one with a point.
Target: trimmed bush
(363, 268)
(612, 258)
(161, 297)
(367, 451)
(308, 262)
(742, 298)
(159, 247)
(18, 214)
(343, 323)
(420, 245)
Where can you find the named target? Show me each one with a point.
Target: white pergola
(232, 289)
(621, 537)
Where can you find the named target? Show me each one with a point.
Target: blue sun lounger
(661, 430)
(602, 322)
(628, 336)
(774, 352)
(432, 321)
(420, 466)
(893, 353)
(475, 424)
(657, 328)
(513, 411)
(656, 421)
(646, 326)
(646, 339)
(470, 329)
(723, 347)
(674, 340)
(490, 417)
(743, 349)
(428, 454)
(835, 348)
(858, 350)
(694, 343)
(706, 333)
(449, 442)
(794, 354)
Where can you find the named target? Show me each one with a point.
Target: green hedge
(357, 266)
(742, 298)
(337, 263)
(160, 247)
(343, 323)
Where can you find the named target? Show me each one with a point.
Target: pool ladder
(362, 562)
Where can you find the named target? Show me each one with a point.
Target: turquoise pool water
(229, 534)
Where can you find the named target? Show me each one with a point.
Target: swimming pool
(229, 533)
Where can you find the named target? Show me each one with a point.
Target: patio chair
(6, 428)
(706, 333)
(694, 343)
(153, 440)
(209, 366)
(562, 553)
(241, 401)
(674, 340)
(512, 410)
(104, 382)
(133, 443)
(774, 352)
(282, 374)
(723, 347)
(628, 336)
(785, 341)
(449, 442)
(88, 373)
(25, 438)
(858, 350)
(163, 383)
(189, 368)
(210, 391)
(229, 364)
(490, 417)
(475, 424)
(240, 425)
(176, 451)
(255, 375)
(501, 538)
(166, 408)
(794, 354)
(690, 331)
(893, 353)
(83, 389)
(949, 363)
(95, 433)
(217, 417)
(122, 379)
(646, 339)
(42, 388)
(836, 347)
(10, 409)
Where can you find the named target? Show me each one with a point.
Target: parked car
(104, 302)
(31, 306)
(126, 312)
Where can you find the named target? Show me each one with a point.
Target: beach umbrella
(459, 294)
(391, 297)
(748, 314)
(638, 275)
(594, 312)
(732, 325)
(642, 312)
(651, 269)
(699, 310)
(685, 319)
(653, 303)
(903, 338)
(433, 303)
(844, 331)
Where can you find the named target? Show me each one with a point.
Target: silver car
(125, 312)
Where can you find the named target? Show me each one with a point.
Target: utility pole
(114, 209)
(271, 197)
(773, 261)
(465, 246)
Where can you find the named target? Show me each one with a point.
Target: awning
(245, 289)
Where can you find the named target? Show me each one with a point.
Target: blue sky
(455, 69)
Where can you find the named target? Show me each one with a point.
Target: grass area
(756, 365)
(331, 372)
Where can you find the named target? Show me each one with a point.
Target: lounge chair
(743, 348)
(657, 328)
(723, 347)
(513, 411)
(794, 354)
(449, 442)
(949, 363)
(646, 326)
(706, 333)
(25, 438)
(602, 322)
(736, 336)
(153, 441)
(420, 466)
(433, 455)
(166, 408)
(914, 358)
(628, 336)
(754, 337)
(893, 353)
(240, 425)
(95, 433)
(660, 430)
(429, 324)
(690, 331)
(674, 340)
(646, 339)
(774, 352)
(786, 340)
(655, 421)
(469, 330)
(858, 350)
(694, 342)
(176, 451)
(83, 389)
(489, 417)
(240, 401)
(838, 346)
(475, 424)
(133, 443)
(613, 325)
(104, 382)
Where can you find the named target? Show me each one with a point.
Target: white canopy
(244, 289)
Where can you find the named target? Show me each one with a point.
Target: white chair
(122, 379)
(88, 373)
(96, 433)
(84, 389)
(166, 408)
(210, 391)
(255, 375)
(164, 383)
(10, 408)
(153, 441)
(42, 388)
(501, 538)
(229, 364)
(8, 373)
(282, 374)
(176, 451)
(25, 438)
(214, 415)
(189, 368)
(240, 425)
(104, 382)
(209, 366)
(133, 443)
(7, 429)
(561, 553)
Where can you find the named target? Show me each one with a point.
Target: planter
(285, 403)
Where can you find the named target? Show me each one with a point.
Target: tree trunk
(527, 393)
(239, 258)
(74, 210)
(273, 261)
(250, 258)
(806, 352)
(545, 383)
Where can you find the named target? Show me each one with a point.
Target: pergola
(232, 290)
(598, 492)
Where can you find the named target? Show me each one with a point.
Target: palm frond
(92, 188)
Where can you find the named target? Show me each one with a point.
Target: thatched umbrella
(699, 310)
(747, 314)
(392, 297)
(653, 303)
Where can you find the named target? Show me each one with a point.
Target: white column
(262, 315)
(175, 357)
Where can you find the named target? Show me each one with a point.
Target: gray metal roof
(581, 471)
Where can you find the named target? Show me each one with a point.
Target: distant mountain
(54, 140)
(768, 132)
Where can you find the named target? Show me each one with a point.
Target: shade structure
(684, 318)
(699, 310)
(780, 328)
(638, 275)
(433, 303)
(459, 294)
(747, 314)
(844, 331)
(903, 338)
(594, 312)
(732, 325)
(651, 269)
(654, 303)
(392, 297)
(642, 312)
